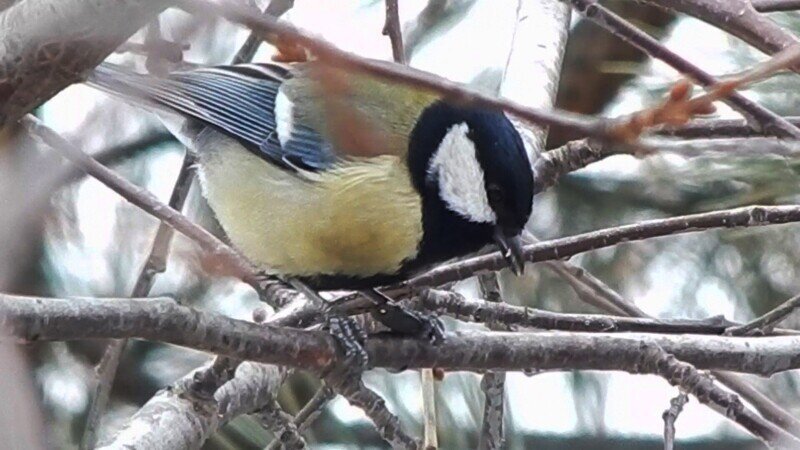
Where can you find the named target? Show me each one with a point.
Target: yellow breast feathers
(359, 219)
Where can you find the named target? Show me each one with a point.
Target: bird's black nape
(507, 177)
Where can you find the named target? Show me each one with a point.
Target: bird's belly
(356, 221)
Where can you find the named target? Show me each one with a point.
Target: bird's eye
(495, 194)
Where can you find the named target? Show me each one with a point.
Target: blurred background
(83, 240)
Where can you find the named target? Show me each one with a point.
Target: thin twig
(775, 5)
(602, 16)
(508, 316)
(493, 384)
(391, 28)
(670, 416)
(247, 51)
(716, 129)
(737, 17)
(306, 416)
(388, 425)
(765, 406)
(688, 378)
(430, 438)
(281, 424)
(575, 276)
(144, 200)
(121, 152)
(325, 52)
(155, 263)
(555, 249)
(765, 323)
(572, 156)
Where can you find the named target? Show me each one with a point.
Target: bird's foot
(351, 338)
(349, 335)
(405, 321)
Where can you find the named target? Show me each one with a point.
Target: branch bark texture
(47, 45)
(32, 319)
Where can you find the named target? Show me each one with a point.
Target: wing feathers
(238, 100)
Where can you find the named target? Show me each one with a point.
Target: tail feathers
(122, 82)
(159, 94)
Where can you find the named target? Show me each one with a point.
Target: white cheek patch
(461, 180)
(284, 117)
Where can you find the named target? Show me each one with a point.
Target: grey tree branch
(511, 316)
(324, 51)
(281, 424)
(690, 380)
(143, 199)
(47, 319)
(49, 44)
(538, 44)
(712, 129)
(566, 247)
(763, 404)
(306, 416)
(155, 263)
(670, 416)
(605, 18)
(775, 5)
(768, 321)
(388, 425)
(172, 420)
(604, 296)
(739, 18)
(572, 156)
(205, 384)
(430, 434)
(392, 29)
(493, 384)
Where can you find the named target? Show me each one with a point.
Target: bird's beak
(511, 248)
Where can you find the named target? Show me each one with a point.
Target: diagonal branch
(608, 299)
(155, 263)
(143, 199)
(765, 323)
(689, 379)
(388, 425)
(605, 18)
(306, 416)
(739, 18)
(268, 27)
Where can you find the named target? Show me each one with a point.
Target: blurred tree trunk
(49, 44)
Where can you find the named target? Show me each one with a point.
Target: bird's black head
(472, 171)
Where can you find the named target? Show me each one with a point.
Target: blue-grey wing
(242, 101)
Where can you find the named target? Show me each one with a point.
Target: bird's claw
(351, 338)
(409, 322)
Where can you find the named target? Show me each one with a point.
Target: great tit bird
(343, 180)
